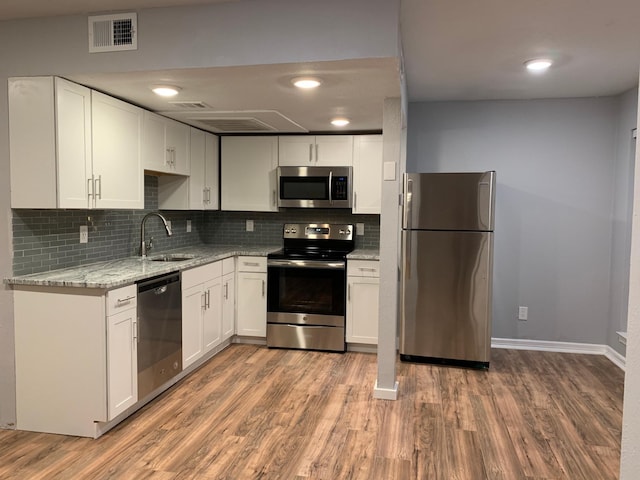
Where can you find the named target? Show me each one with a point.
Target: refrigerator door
(446, 295)
(449, 201)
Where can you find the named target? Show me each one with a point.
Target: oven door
(306, 292)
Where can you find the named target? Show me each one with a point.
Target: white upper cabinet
(165, 145)
(367, 173)
(205, 161)
(314, 151)
(87, 153)
(248, 180)
(117, 165)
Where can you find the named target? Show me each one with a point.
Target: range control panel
(318, 231)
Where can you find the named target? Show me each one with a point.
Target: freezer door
(446, 295)
(449, 201)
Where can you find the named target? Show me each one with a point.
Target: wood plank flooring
(255, 413)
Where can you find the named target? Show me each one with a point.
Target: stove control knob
(286, 230)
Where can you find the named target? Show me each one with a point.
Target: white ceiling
(454, 50)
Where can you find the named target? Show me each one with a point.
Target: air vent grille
(236, 125)
(186, 105)
(111, 33)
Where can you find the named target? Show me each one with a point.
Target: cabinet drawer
(228, 265)
(252, 264)
(198, 275)
(363, 268)
(122, 299)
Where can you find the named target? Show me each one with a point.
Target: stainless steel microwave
(315, 187)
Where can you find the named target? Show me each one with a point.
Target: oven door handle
(331, 264)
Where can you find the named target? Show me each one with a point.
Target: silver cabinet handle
(365, 269)
(355, 200)
(263, 287)
(226, 291)
(317, 157)
(311, 152)
(251, 264)
(125, 300)
(98, 194)
(203, 298)
(136, 330)
(349, 292)
(274, 198)
(90, 187)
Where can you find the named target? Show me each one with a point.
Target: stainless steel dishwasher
(159, 331)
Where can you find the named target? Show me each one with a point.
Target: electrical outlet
(84, 234)
(188, 226)
(523, 313)
(249, 225)
(360, 229)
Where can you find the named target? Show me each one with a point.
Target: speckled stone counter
(125, 271)
(364, 254)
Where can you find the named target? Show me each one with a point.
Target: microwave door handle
(330, 187)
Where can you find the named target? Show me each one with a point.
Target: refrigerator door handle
(484, 198)
(408, 193)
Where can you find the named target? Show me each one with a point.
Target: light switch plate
(360, 229)
(249, 225)
(389, 172)
(188, 226)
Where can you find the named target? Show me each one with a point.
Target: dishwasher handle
(159, 284)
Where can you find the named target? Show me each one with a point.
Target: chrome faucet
(143, 245)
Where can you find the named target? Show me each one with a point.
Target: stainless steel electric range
(306, 287)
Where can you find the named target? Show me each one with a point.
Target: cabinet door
(296, 151)
(153, 147)
(177, 146)
(211, 171)
(73, 132)
(362, 309)
(334, 150)
(117, 165)
(192, 313)
(367, 174)
(122, 362)
(205, 161)
(228, 306)
(197, 180)
(212, 314)
(249, 173)
(252, 304)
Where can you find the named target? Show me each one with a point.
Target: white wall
(246, 33)
(555, 163)
(622, 209)
(630, 456)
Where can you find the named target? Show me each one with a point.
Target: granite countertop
(125, 271)
(364, 254)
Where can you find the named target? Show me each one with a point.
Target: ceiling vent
(186, 105)
(113, 33)
(236, 125)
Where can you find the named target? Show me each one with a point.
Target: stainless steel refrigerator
(447, 267)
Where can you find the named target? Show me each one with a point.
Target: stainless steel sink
(171, 258)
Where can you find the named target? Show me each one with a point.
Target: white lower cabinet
(228, 298)
(252, 296)
(201, 311)
(122, 351)
(363, 291)
(76, 358)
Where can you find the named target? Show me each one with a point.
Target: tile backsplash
(46, 240)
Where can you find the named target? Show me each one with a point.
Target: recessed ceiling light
(538, 64)
(165, 90)
(306, 82)
(340, 122)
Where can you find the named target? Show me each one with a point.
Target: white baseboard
(385, 393)
(562, 347)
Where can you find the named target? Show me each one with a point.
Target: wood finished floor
(255, 413)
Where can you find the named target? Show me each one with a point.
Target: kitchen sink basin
(171, 258)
